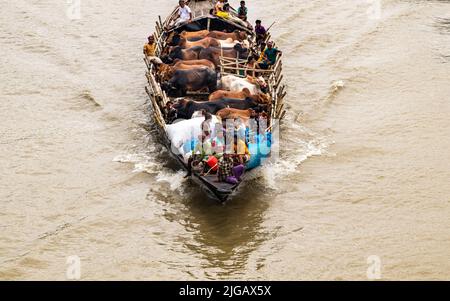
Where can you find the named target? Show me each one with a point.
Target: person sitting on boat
(239, 128)
(269, 57)
(203, 147)
(184, 13)
(261, 56)
(149, 48)
(200, 153)
(218, 142)
(227, 172)
(260, 32)
(218, 7)
(223, 10)
(242, 153)
(242, 11)
(250, 66)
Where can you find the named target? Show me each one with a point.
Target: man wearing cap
(269, 57)
(149, 48)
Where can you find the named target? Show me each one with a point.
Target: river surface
(364, 168)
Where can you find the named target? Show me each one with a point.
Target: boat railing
(239, 67)
(273, 76)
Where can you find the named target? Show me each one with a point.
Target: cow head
(252, 113)
(240, 35)
(166, 59)
(181, 108)
(156, 61)
(243, 52)
(263, 98)
(171, 112)
(165, 72)
(174, 39)
(168, 88)
(260, 108)
(176, 53)
(261, 82)
(257, 107)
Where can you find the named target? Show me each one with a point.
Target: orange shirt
(149, 49)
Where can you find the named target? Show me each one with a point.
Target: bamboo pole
(160, 22)
(278, 113)
(279, 81)
(156, 111)
(280, 90)
(249, 69)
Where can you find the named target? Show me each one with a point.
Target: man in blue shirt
(269, 56)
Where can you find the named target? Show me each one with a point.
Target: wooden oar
(267, 30)
(211, 169)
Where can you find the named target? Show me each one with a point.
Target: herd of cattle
(190, 63)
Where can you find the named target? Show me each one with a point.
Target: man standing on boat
(149, 48)
(261, 32)
(184, 13)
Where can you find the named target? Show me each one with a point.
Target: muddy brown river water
(364, 167)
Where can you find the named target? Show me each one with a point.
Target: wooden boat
(202, 19)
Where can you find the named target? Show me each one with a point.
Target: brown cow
(260, 98)
(165, 72)
(205, 63)
(205, 43)
(182, 54)
(235, 35)
(194, 35)
(230, 113)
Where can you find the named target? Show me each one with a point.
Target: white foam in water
(293, 153)
(283, 167)
(142, 162)
(175, 180)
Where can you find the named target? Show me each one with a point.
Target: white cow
(237, 84)
(229, 43)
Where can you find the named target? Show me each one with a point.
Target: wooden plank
(278, 68)
(280, 90)
(160, 22)
(233, 68)
(147, 63)
(277, 77)
(277, 63)
(279, 110)
(279, 81)
(158, 29)
(156, 110)
(281, 116)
